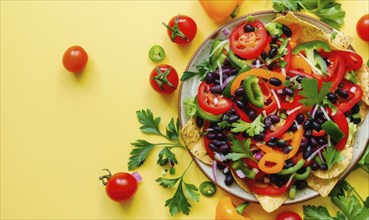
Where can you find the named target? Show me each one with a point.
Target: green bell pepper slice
(253, 91)
(333, 130)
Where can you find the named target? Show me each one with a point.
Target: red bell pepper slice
(340, 119)
(354, 97)
(353, 60)
(336, 70)
(241, 113)
(268, 190)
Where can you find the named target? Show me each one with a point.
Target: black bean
(356, 121)
(240, 91)
(281, 143)
(228, 180)
(240, 104)
(248, 28)
(221, 136)
(340, 85)
(256, 61)
(319, 120)
(216, 81)
(301, 170)
(314, 166)
(332, 97)
(275, 81)
(342, 93)
(271, 144)
(233, 118)
(317, 126)
(322, 140)
(314, 142)
(274, 39)
(286, 30)
(288, 91)
(217, 129)
(251, 113)
(216, 89)
(286, 150)
(272, 52)
(301, 184)
(212, 147)
(224, 148)
(308, 124)
(263, 55)
(289, 164)
(319, 113)
(217, 143)
(299, 79)
(220, 166)
(245, 134)
(355, 109)
(307, 133)
(267, 122)
(274, 118)
(300, 118)
(199, 121)
(293, 127)
(211, 135)
(209, 78)
(323, 167)
(259, 137)
(224, 117)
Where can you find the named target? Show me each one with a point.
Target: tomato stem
(162, 77)
(106, 177)
(176, 31)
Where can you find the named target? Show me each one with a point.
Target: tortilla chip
(194, 143)
(271, 203)
(240, 182)
(337, 168)
(322, 186)
(362, 77)
(310, 32)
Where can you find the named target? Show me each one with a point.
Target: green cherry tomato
(208, 188)
(156, 53)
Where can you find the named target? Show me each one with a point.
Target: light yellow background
(59, 131)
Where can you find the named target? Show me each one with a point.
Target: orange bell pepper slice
(225, 210)
(271, 162)
(220, 10)
(266, 74)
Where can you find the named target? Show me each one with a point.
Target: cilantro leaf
(139, 154)
(252, 129)
(313, 212)
(201, 70)
(167, 183)
(173, 130)
(285, 5)
(191, 191)
(331, 13)
(239, 149)
(310, 92)
(150, 125)
(331, 156)
(166, 157)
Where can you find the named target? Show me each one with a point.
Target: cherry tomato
(75, 59)
(362, 27)
(164, 79)
(249, 40)
(288, 215)
(119, 187)
(181, 29)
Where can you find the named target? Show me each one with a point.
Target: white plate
(188, 89)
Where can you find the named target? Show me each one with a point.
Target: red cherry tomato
(288, 215)
(249, 44)
(75, 59)
(164, 79)
(181, 29)
(119, 187)
(362, 27)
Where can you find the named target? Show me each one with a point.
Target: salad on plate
(274, 107)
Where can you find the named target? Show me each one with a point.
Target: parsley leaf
(150, 125)
(313, 212)
(252, 129)
(310, 91)
(185, 191)
(329, 11)
(331, 156)
(201, 70)
(239, 149)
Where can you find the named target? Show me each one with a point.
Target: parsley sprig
(252, 129)
(142, 148)
(185, 191)
(239, 149)
(150, 125)
(312, 95)
(329, 11)
(201, 70)
(348, 201)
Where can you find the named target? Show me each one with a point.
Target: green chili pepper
(239, 165)
(208, 188)
(333, 130)
(292, 192)
(304, 175)
(253, 91)
(293, 169)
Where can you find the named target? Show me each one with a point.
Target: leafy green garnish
(239, 149)
(150, 125)
(252, 129)
(331, 156)
(201, 70)
(191, 106)
(310, 92)
(329, 11)
(351, 76)
(274, 29)
(348, 201)
(185, 191)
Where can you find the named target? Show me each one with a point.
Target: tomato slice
(249, 45)
(212, 103)
(336, 70)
